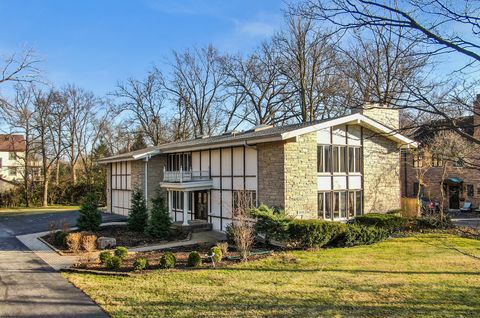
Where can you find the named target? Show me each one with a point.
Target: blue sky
(95, 43)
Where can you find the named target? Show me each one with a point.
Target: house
(461, 183)
(330, 169)
(12, 155)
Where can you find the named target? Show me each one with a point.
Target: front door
(454, 196)
(201, 205)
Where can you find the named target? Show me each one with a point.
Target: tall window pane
(328, 206)
(358, 159)
(343, 204)
(328, 158)
(336, 168)
(351, 159)
(342, 159)
(351, 204)
(358, 203)
(320, 165)
(336, 205)
(321, 202)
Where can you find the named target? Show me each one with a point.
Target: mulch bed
(181, 254)
(125, 237)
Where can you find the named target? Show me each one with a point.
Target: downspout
(146, 177)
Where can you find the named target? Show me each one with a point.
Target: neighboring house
(330, 169)
(460, 184)
(12, 155)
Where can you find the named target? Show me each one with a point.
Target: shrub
(89, 242)
(355, 234)
(168, 260)
(229, 234)
(273, 224)
(390, 222)
(104, 257)
(223, 246)
(140, 264)
(74, 242)
(114, 262)
(314, 233)
(121, 252)
(90, 217)
(138, 214)
(60, 239)
(194, 260)
(432, 223)
(217, 254)
(243, 236)
(159, 222)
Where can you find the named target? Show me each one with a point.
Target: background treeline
(307, 71)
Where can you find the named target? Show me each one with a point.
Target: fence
(409, 207)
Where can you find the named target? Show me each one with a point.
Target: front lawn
(426, 275)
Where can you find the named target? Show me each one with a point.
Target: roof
(251, 137)
(12, 143)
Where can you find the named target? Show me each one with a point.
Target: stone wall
(301, 176)
(155, 176)
(389, 117)
(381, 173)
(137, 174)
(271, 177)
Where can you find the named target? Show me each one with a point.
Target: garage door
(121, 187)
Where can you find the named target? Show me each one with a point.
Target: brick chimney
(476, 117)
(383, 114)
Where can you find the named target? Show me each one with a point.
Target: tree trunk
(45, 191)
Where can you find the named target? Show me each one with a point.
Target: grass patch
(41, 209)
(426, 275)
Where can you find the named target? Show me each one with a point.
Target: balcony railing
(185, 176)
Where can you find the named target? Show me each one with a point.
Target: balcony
(185, 176)
(186, 180)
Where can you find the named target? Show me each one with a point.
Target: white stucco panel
(323, 136)
(324, 183)
(339, 182)
(354, 182)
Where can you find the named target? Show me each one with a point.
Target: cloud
(255, 29)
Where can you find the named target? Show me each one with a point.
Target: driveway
(28, 286)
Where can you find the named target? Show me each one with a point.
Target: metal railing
(185, 176)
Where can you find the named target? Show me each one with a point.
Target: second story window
(354, 160)
(339, 155)
(12, 156)
(324, 158)
(179, 160)
(418, 161)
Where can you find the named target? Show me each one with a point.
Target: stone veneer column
(271, 176)
(300, 171)
(381, 183)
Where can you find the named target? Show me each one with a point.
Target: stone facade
(287, 175)
(300, 170)
(155, 176)
(389, 117)
(271, 176)
(381, 176)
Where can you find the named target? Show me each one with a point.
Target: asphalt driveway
(28, 286)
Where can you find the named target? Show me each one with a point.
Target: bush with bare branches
(74, 241)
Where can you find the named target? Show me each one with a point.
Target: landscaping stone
(106, 242)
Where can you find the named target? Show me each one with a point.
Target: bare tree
(259, 78)
(20, 67)
(197, 84)
(311, 65)
(144, 99)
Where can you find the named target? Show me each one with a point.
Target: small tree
(90, 217)
(242, 229)
(159, 222)
(138, 215)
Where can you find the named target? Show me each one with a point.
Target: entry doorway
(454, 196)
(201, 204)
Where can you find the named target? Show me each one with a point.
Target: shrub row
(389, 222)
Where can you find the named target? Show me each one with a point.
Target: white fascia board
(359, 119)
(146, 154)
(231, 143)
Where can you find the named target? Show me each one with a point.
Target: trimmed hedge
(354, 234)
(389, 222)
(314, 233)
(217, 254)
(168, 260)
(140, 263)
(104, 257)
(114, 262)
(433, 223)
(194, 260)
(121, 252)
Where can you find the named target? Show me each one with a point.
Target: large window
(121, 175)
(177, 200)
(177, 160)
(324, 158)
(354, 159)
(338, 205)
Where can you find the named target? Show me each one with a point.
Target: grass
(40, 209)
(427, 275)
